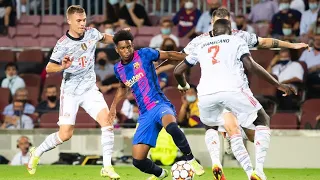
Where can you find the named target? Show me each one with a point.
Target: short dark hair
(192, 86)
(107, 22)
(221, 13)
(51, 86)
(221, 26)
(11, 64)
(166, 21)
(122, 35)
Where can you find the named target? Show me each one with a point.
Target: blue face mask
(129, 5)
(284, 6)
(313, 6)
(286, 31)
(166, 31)
(113, 2)
(191, 99)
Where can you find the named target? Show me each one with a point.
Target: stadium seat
(142, 41)
(148, 31)
(84, 120)
(109, 98)
(12, 31)
(7, 42)
(7, 56)
(5, 95)
(260, 87)
(284, 121)
(49, 42)
(27, 30)
(262, 56)
(52, 19)
(97, 18)
(29, 19)
(308, 120)
(195, 75)
(52, 79)
(184, 42)
(50, 30)
(33, 95)
(154, 19)
(31, 80)
(49, 120)
(174, 95)
(311, 106)
(30, 61)
(65, 27)
(25, 41)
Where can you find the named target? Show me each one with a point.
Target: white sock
(162, 174)
(107, 142)
(52, 141)
(213, 145)
(241, 153)
(261, 143)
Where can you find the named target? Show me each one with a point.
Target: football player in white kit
(74, 54)
(224, 85)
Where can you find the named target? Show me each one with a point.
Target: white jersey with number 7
(221, 67)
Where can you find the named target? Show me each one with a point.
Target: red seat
(263, 56)
(25, 41)
(27, 30)
(154, 19)
(97, 18)
(174, 95)
(47, 41)
(49, 120)
(27, 19)
(142, 41)
(109, 99)
(7, 56)
(31, 56)
(260, 87)
(308, 120)
(148, 31)
(5, 95)
(195, 75)
(50, 30)
(12, 31)
(311, 106)
(52, 19)
(31, 80)
(284, 121)
(52, 79)
(7, 42)
(33, 95)
(83, 120)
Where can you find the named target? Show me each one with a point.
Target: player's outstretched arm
(172, 55)
(179, 74)
(255, 68)
(276, 43)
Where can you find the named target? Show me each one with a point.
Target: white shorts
(91, 101)
(241, 103)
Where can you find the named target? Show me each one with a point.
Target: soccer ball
(182, 170)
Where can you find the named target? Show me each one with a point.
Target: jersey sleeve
(59, 51)
(97, 34)
(149, 54)
(250, 38)
(192, 59)
(191, 45)
(243, 49)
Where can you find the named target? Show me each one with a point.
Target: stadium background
(29, 41)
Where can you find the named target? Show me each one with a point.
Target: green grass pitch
(130, 173)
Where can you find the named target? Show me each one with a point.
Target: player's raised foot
(258, 176)
(33, 161)
(218, 173)
(198, 169)
(109, 172)
(163, 176)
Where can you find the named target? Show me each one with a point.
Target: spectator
(309, 17)
(166, 32)
(51, 103)
(312, 59)
(129, 111)
(18, 120)
(242, 24)
(22, 157)
(203, 26)
(288, 35)
(287, 72)
(5, 11)
(285, 14)
(12, 80)
(108, 28)
(315, 27)
(112, 11)
(263, 11)
(133, 14)
(187, 19)
(20, 95)
(298, 5)
(189, 111)
(167, 45)
(104, 68)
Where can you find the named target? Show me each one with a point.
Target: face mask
(135, 116)
(188, 5)
(284, 6)
(191, 99)
(313, 6)
(211, 11)
(133, 102)
(166, 31)
(286, 31)
(109, 31)
(129, 5)
(17, 112)
(239, 27)
(318, 30)
(102, 62)
(168, 47)
(283, 62)
(113, 2)
(52, 98)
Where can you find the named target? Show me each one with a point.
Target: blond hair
(74, 9)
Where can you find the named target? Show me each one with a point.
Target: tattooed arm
(275, 43)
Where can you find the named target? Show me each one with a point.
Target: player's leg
(95, 105)
(261, 143)
(145, 137)
(168, 121)
(67, 115)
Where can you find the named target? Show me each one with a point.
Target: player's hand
(66, 62)
(287, 89)
(300, 45)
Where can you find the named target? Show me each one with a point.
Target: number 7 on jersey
(215, 50)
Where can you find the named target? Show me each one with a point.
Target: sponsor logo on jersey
(134, 79)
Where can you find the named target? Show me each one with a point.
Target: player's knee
(140, 164)
(263, 118)
(65, 134)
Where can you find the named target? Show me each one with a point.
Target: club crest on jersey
(136, 65)
(84, 46)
